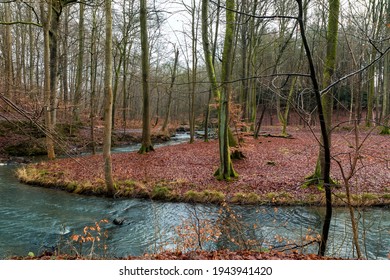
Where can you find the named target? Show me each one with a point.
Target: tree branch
(252, 15)
(382, 54)
(21, 22)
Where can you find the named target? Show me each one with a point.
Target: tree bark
(324, 134)
(8, 53)
(108, 102)
(225, 170)
(47, 88)
(146, 145)
(80, 65)
(169, 105)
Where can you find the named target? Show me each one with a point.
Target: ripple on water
(33, 219)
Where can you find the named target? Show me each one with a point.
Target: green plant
(193, 196)
(386, 196)
(244, 198)
(161, 193)
(213, 196)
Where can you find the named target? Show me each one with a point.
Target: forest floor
(273, 171)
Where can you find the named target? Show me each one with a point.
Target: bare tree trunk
(226, 170)
(108, 102)
(194, 40)
(169, 105)
(327, 97)
(214, 50)
(47, 89)
(53, 35)
(146, 145)
(64, 68)
(386, 83)
(324, 133)
(8, 54)
(80, 65)
(94, 61)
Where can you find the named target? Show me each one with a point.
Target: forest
(283, 102)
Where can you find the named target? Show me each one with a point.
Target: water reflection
(36, 219)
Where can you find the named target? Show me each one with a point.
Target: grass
(206, 196)
(171, 191)
(246, 198)
(162, 193)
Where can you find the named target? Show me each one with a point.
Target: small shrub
(94, 236)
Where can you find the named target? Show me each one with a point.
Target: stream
(36, 219)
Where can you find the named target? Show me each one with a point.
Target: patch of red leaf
(271, 165)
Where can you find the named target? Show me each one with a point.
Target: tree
(46, 20)
(213, 54)
(108, 102)
(192, 83)
(329, 68)
(386, 80)
(146, 145)
(325, 160)
(80, 65)
(8, 53)
(225, 170)
(169, 105)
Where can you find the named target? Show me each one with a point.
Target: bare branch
(252, 15)
(355, 72)
(21, 22)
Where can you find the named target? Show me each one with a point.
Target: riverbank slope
(272, 172)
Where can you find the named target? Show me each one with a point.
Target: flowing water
(34, 219)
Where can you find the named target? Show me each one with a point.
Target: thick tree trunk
(146, 145)
(47, 92)
(54, 27)
(108, 103)
(225, 170)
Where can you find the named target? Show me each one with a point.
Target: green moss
(386, 196)
(78, 190)
(213, 196)
(341, 195)
(369, 196)
(207, 196)
(193, 196)
(271, 195)
(243, 198)
(130, 183)
(284, 195)
(385, 130)
(71, 187)
(161, 193)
